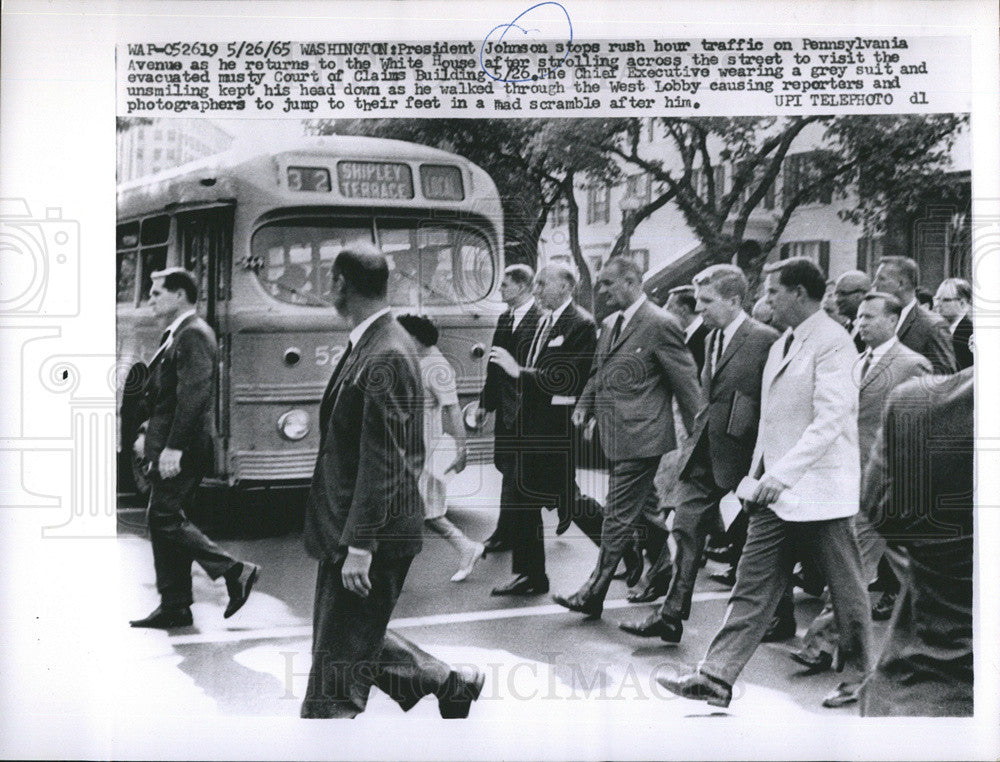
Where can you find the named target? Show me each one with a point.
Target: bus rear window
(429, 264)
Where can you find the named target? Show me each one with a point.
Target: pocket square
(557, 341)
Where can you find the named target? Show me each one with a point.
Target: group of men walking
(785, 416)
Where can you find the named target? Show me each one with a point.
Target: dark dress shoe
(239, 584)
(726, 578)
(883, 607)
(699, 687)
(165, 619)
(807, 585)
(814, 662)
(668, 630)
(782, 628)
(463, 686)
(649, 592)
(633, 566)
(523, 585)
(592, 607)
(565, 519)
(494, 544)
(842, 695)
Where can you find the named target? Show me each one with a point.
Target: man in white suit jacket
(807, 466)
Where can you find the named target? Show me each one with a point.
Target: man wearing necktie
(848, 291)
(514, 333)
(640, 366)
(919, 329)
(177, 447)
(807, 469)
(364, 513)
(883, 366)
(549, 383)
(718, 454)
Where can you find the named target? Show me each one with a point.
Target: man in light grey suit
(883, 366)
(807, 470)
(641, 364)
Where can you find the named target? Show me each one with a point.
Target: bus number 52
(328, 355)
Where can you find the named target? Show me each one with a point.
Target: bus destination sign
(372, 179)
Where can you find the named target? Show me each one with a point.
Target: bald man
(848, 292)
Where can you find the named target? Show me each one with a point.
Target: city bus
(260, 231)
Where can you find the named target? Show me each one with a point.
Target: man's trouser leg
(761, 580)
(697, 505)
(834, 547)
(177, 542)
(348, 637)
(525, 523)
(822, 635)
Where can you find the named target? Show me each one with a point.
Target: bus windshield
(430, 263)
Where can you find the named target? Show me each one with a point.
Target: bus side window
(127, 259)
(153, 237)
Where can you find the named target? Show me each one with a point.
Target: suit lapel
(882, 365)
(737, 341)
(907, 323)
(629, 329)
(337, 379)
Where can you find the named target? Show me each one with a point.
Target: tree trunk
(585, 291)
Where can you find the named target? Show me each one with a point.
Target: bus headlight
(294, 425)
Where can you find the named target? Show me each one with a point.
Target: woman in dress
(444, 441)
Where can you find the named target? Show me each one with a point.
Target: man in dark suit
(549, 383)
(177, 447)
(953, 301)
(718, 453)
(681, 304)
(641, 365)
(515, 329)
(848, 291)
(920, 330)
(364, 514)
(926, 666)
(883, 366)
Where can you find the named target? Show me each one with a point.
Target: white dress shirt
(520, 312)
(905, 311)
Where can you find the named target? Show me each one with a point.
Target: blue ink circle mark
(514, 24)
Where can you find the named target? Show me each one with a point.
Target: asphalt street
(538, 657)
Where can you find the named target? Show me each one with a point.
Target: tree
(875, 161)
(126, 123)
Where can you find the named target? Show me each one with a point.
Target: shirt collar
(521, 311)
(693, 326)
(906, 311)
(629, 311)
(878, 352)
(364, 325)
(730, 330)
(955, 322)
(558, 311)
(172, 328)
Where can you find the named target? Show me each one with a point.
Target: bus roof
(205, 179)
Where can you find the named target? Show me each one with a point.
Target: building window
(157, 153)
(170, 154)
(171, 134)
(158, 135)
(817, 251)
(560, 212)
(638, 186)
(768, 200)
(801, 170)
(869, 253)
(599, 204)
